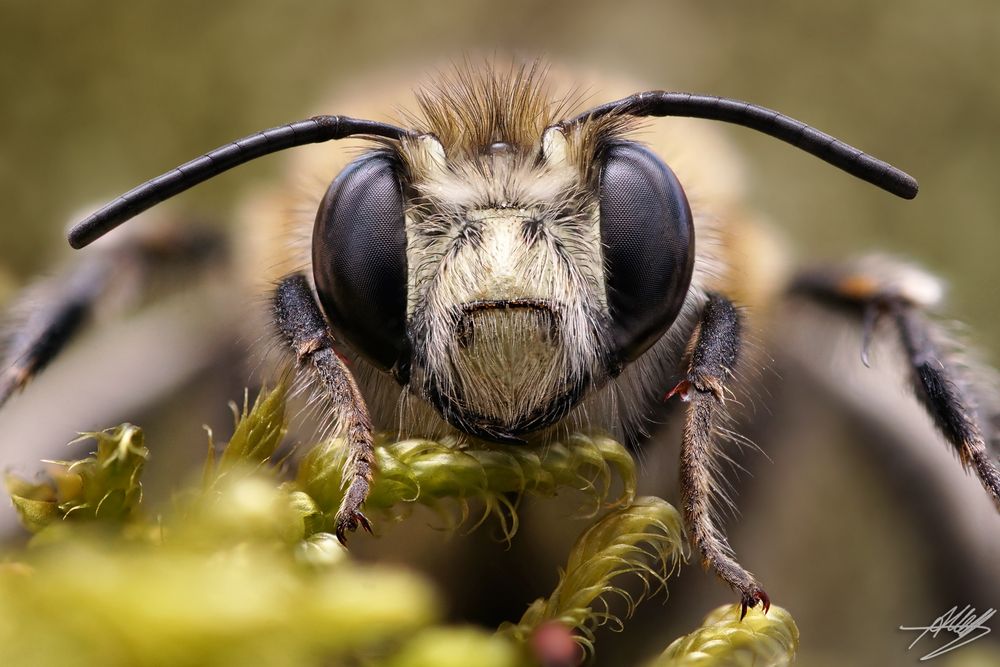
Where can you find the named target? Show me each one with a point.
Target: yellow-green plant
(239, 568)
(723, 640)
(104, 486)
(644, 538)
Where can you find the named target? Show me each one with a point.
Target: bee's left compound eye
(647, 237)
(359, 259)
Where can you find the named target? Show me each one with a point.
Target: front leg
(301, 323)
(715, 350)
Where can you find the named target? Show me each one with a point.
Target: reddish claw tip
(751, 599)
(682, 388)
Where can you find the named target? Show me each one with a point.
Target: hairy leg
(303, 326)
(877, 289)
(714, 353)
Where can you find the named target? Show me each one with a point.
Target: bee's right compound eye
(647, 238)
(359, 259)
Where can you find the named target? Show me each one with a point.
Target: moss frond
(645, 539)
(723, 640)
(257, 434)
(430, 472)
(104, 486)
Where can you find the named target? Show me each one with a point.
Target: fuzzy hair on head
(494, 219)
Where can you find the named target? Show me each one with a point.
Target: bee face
(505, 279)
(507, 310)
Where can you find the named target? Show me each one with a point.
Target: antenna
(768, 121)
(312, 131)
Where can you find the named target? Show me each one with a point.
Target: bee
(506, 265)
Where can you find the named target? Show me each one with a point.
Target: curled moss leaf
(103, 486)
(429, 472)
(723, 640)
(570, 460)
(645, 539)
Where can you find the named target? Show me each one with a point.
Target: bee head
(500, 264)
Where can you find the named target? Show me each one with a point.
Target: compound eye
(647, 235)
(359, 260)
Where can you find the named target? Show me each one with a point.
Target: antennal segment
(768, 121)
(314, 130)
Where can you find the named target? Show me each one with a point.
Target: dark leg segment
(936, 387)
(715, 352)
(47, 328)
(52, 312)
(938, 381)
(303, 326)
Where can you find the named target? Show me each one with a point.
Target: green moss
(104, 486)
(442, 475)
(723, 640)
(239, 569)
(457, 647)
(645, 539)
(256, 436)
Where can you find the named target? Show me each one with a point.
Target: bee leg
(886, 290)
(46, 331)
(301, 323)
(51, 313)
(714, 354)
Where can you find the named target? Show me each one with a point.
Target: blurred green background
(100, 96)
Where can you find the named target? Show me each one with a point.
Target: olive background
(98, 97)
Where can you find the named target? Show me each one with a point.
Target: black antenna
(312, 131)
(768, 121)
